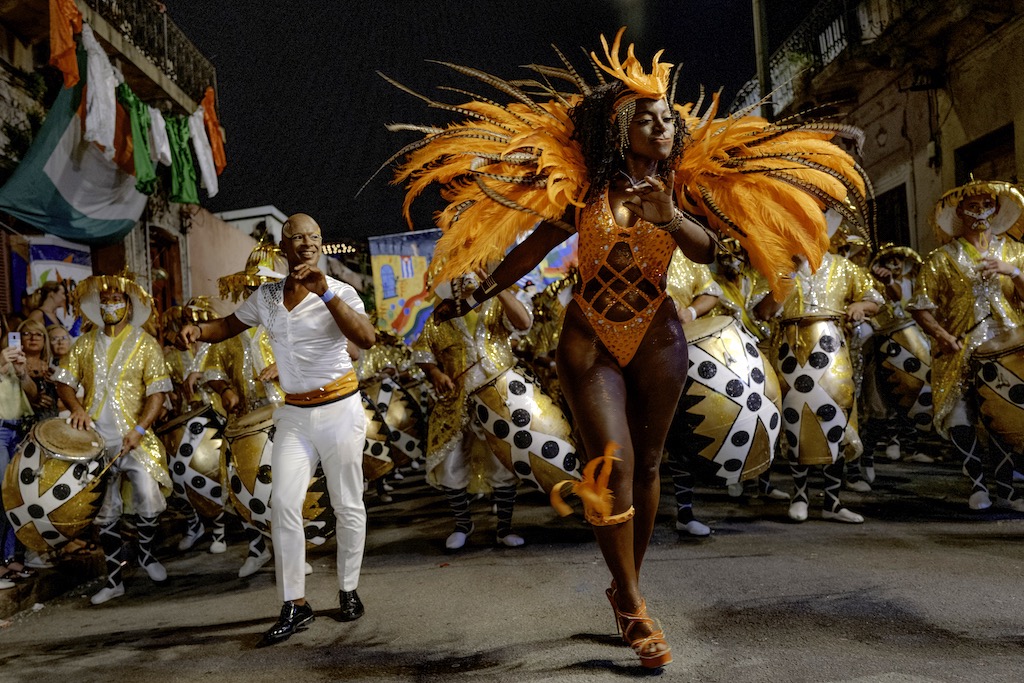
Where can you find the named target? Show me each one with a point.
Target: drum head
(1002, 344)
(250, 422)
(64, 442)
(702, 328)
(182, 419)
(899, 324)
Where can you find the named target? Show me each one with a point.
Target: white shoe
(5, 584)
(979, 500)
(37, 561)
(385, 498)
(106, 594)
(869, 474)
(511, 540)
(842, 515)
(415, 465)
(457, 539)
(798, 511)
(190, 538)
(921, 458)
(218, 547)
(156, 571)
(397, 476)
(694, 528)
(859, 486)
(735, 490)
(778, 494)
(892, 451)
(387, 487)
(308, 569)
(1017, 504)
(253, 564)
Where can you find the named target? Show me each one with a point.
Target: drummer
(895, 269)
(123, 397)
(970, 290)
(837, 289)
(694, 291)
(459, 356)
(243, 372)
(322, 419)
(740, 284)
(184, 366)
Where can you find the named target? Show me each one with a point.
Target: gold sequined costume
(472, 351)
(971, 308)
(132, 369)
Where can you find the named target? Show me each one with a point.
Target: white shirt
(310, 350)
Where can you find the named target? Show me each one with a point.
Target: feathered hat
(200, 309)
(87, 297)
(1009, 208)
(266, 263)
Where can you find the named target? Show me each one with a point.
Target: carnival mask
(113, 313)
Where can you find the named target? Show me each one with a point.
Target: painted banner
(399, 263)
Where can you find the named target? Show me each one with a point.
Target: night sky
(305, 112)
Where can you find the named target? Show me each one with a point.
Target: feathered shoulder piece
(502, 168)
(769, 184)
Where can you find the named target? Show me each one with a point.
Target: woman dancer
(609, 163)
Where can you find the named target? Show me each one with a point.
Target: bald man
(310, 318)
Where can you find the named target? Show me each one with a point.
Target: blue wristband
(327, 296)
(140, 429)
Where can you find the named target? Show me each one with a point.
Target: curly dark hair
(597, 136)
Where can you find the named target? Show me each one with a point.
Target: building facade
(936, 86)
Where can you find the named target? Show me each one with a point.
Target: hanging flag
(65, 186)
(213, 130)
(65, 22)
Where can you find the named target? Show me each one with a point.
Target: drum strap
(339, 389)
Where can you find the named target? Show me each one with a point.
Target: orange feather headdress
(505, 167)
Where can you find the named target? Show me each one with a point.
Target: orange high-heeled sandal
(626, 622)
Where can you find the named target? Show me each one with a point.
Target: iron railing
(832, 27)
(144, 25)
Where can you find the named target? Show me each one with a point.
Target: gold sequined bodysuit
(622, 277)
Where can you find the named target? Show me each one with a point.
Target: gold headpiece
(642, 86)
(911, 259)
(266, 263)
(200, 309)
(87, 297)
(1008, 216)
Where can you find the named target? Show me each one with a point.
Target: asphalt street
(925, 590)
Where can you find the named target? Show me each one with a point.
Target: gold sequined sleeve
(70, 370)
(422, 348)
(154, 372)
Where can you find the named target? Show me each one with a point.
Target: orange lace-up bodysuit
(622, 275)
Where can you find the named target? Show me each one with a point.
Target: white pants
(147, 498)
(455, 471)
(332, 434)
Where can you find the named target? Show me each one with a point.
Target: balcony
(872, 35)
(157, 59)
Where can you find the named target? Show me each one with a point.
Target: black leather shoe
(293, 618)
(351, 605)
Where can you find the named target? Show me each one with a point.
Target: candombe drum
(816, 376)
(999, 369)
(250, 444)
(54, 486)
(195, 456)
(905, 364)
(377, 447)
(730, 399)
(526, 430)
(401, 415)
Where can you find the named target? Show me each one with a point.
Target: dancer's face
(652, 130)
(301, 241)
